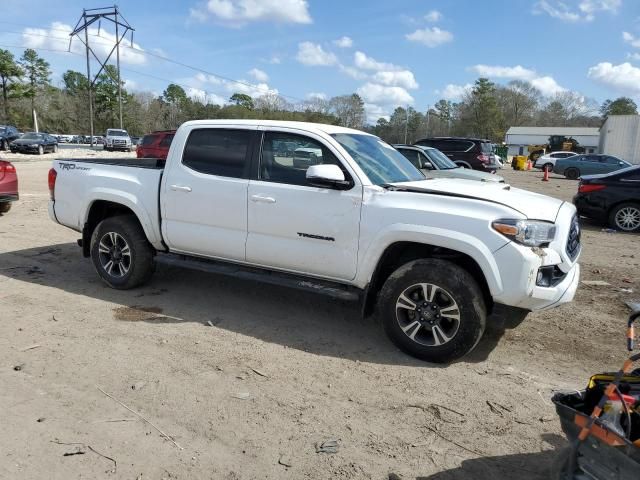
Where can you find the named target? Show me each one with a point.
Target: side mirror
(620, 163)
(327, 176)
(428, 165)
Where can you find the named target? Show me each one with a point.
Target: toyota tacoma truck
(430, 258)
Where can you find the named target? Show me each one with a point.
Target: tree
(619, 106)
(480, 113)
(519, 101)
(37, 72)
(242, 100)
(10, 72)
(75, 83)
(349, 109)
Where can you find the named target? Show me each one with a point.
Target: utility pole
(89, 17)
(406, 123)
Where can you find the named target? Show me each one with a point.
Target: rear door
(204, 196)
(293, 225)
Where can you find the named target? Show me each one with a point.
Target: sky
(392, 53)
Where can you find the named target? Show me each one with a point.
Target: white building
(519, 138)
(620, 137)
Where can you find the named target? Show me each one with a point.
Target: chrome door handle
(180, 188)
(262, 199)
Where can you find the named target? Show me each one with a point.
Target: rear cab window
(148, 140)
(218, 151)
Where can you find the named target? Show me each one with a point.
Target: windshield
(378, 160)
(117, 133)
(439, 158)
(32, 136)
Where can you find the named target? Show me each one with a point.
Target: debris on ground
(31, 347)
(17, 368)
(241, 395)
(40, 420)
(258, 372)
(329, 446)
(285, 461)
(595, 283)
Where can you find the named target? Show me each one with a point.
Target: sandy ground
(276, 374)
(65, 151)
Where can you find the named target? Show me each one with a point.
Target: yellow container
(521, 162)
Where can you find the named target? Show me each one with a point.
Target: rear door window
(217, 151)
(147, 140)
(166, 141)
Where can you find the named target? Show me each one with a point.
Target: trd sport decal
(317, 237)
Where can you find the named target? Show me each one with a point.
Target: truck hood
(463, 173)
(532, 205)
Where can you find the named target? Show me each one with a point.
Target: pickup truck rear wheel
(433, 310)
(120, 252)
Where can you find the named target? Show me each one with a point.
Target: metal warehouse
(518, 138)
(620, 137)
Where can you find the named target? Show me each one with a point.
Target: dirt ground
(235, 380)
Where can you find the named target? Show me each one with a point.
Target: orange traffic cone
(546, 174)
(528, 164)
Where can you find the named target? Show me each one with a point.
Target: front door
(204, 206)
(297, 227)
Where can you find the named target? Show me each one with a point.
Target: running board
(332, 289)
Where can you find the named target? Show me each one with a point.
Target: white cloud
(259, 75)
(314, 55)
(546, 84)
(57, 38)
(200, 82)
(238, 12)
(631, 40)
(204, 97)
(131, 85)
(497, 71)
(454, 92)
(624, 78)
(384, 95)
(374, 112)
(431, 37)
(433, 16)
(317, 95)
(400, 78)
(343, 42)
(634, 56)
(585, 10)
(352, 72)
(364, 62)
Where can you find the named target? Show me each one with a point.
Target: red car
(8, 185)
(155, 145)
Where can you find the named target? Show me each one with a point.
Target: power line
(151, 54)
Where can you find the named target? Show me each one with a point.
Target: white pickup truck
(116, 139)
(430, 257)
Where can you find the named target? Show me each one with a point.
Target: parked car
(135, 141)
(613, 198)
(588, 164)
(435, 164)
(8, 185)
(34, 142)
(548, 160)
(155, 145)
(430, 257)
(306, 156)
(8, 134)
(116, 139)
(474, 153)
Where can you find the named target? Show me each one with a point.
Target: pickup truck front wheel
(121, 253)
(433, 310)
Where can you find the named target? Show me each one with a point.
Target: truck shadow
(527, 466)
(301, 320)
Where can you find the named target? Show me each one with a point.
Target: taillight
(9, 168)
(483, 158)
(52, 183)
(590, 187)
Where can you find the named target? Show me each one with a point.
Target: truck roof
(308, 126)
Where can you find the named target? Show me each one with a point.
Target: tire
(40, 150)
(5, 207)
(572, 173)
(121, 232)
(625, 217)
(431, 331)
(5, 145)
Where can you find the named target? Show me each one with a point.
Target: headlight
(532, 233)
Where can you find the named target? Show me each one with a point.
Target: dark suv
(474, 153)
(8, 134)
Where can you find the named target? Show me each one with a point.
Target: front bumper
(24, 148)
(9, 197)
(519, 267)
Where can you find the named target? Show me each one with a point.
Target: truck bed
(153, 163)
